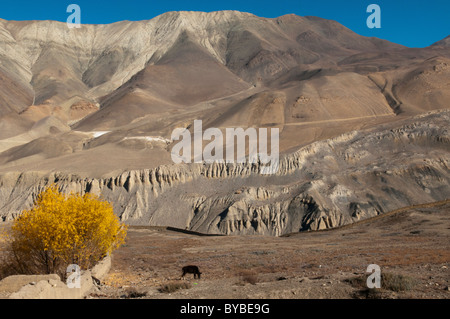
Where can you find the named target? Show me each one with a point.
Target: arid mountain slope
(444, 42)
(325, 184)
(92, 108)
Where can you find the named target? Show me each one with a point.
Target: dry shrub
(132, 293)
(174, 286)
(389, 282)
(248, 276)
(396, 282)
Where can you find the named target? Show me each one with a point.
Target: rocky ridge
(325, 184)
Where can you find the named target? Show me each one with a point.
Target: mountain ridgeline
(363, 122)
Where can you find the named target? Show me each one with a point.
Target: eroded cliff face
(325, 184)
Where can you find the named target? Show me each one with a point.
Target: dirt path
(340, 120)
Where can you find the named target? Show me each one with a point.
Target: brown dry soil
(412, 242)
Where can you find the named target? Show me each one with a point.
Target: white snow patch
(149, 139)
(96, 134)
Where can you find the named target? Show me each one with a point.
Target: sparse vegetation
(60, 230)
(174, 286)
(132, 293)
(389, 282)
(396, 282)
(248, 276)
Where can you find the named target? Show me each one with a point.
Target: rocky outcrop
(51, 287)
(54, 289)
(325, 184)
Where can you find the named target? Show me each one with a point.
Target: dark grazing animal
(191, 270)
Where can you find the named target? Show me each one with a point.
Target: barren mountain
(93, 109)
(444, 42)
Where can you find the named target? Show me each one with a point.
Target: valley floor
(413, 243)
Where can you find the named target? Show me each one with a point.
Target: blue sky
(414, 23)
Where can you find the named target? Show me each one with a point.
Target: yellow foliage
(66, 229)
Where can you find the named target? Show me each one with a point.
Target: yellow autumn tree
(60, 230)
